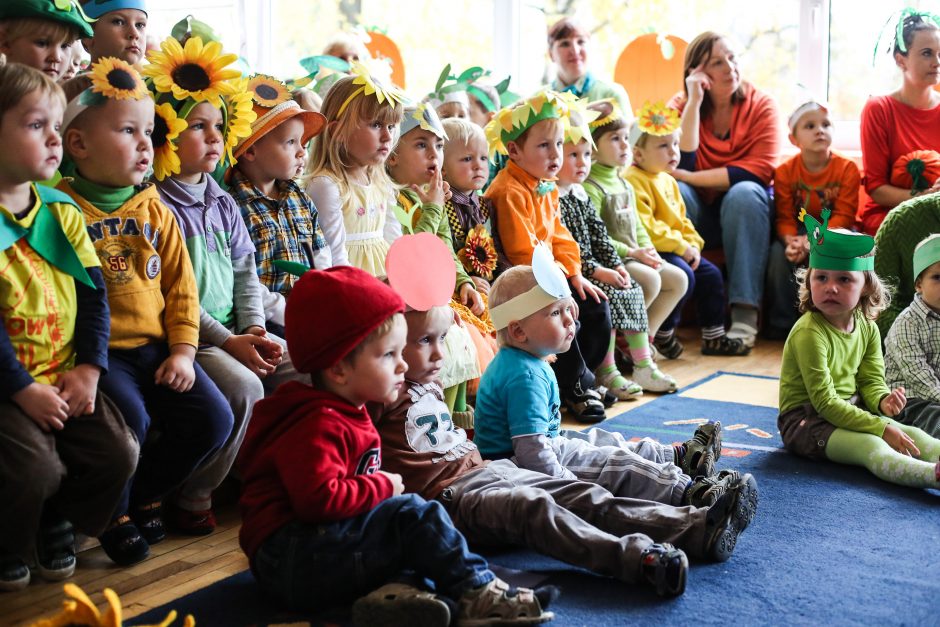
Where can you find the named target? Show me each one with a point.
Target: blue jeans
(312, 567)
(782, 291)
(193, 424)
(706, 286)
(738, 221)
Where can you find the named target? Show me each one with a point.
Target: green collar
(45, 235)
(107, 199)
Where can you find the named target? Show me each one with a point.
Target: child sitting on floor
(834, 403)
(154, 303)
(314, 497)
(814, 179)
(65, 452)
(615, 200)
(662, 214)
(39, 34)
(235, 350)
(603, 267)
(912, 348)
(518, 407)
(348, 183)
(525, 201)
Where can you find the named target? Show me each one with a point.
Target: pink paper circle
(421, 269)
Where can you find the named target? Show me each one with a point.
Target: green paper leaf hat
(68, 12)
(926, 253)
(835, 250)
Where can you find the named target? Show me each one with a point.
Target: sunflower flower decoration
(167, 126)
(581, 120)
(370, 86)
(79, 611)
(116, 79)
(657, 119)
(511, 122)
(196, 70)
(267, 91)
(240, 111)
(478, 256)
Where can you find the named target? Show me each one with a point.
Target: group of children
(146, 322)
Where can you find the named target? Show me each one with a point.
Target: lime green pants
(872, 452)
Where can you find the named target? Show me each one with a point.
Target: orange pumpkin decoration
(917, 170)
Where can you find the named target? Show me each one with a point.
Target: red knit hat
(329, 312)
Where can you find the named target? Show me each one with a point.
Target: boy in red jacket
(321, 523)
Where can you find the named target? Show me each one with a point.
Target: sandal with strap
(585, 407)
(666, 568)
(496, 603)
(730, 515)
(702, 451)
(618, 385)
(400, 604)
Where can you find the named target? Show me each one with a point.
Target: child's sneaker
(397, 604)
(149, 522)
(55, 549)
(725, 346)
(622, 388)
(123, 543)
(14, 573)
(670, 348)
(666, 568)
(496, 603)
(705, 491)
(732, 512)
(652, 379)
(191, 523)
(585, 407)
(702, 451)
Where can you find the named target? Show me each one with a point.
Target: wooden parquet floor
(180, 565)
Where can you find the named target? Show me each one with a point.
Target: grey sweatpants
(577, 522)
(242, 388)
(638, 470)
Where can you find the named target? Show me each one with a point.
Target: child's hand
(692, 256)
(482, 285)
(622, 271)
(585, 290)
(78, 388)
(893, 403)
(177, 372)
(611, 277)
(900, 441)
(471, 298)
(647, 256)
(797, 249)
(437, 193)
(397, 486)
(270, 351)
(247, 349)
(43, 404)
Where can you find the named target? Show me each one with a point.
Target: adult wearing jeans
(729, 145)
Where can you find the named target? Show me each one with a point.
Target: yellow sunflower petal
(113, 616)
(116, 79)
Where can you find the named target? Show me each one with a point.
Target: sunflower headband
(370, 86)
(581, 119)
(653, 119)
(511, 122)
(183, 76)
(111, 79)
(903, 16)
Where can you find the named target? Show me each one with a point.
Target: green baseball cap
(69, 12)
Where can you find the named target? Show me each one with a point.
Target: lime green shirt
(610, 182)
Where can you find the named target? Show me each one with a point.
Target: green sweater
(904, 228)
(612, 183)
(825, 367)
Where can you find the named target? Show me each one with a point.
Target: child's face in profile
(121, 34)
(658, 154)
(424, 347)
(836, 293)
(541, 151)
(576, 163)
(613, 148)
(452, 110)
(280, 154)
(417, 157)
(812, 132)
(467, 167)
(928, 286)
(112, 145)
(199, 147)
(29, 134)
(548, 331)
(39, 51)
(377, 372)
(478, 113)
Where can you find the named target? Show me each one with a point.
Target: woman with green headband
(905, 120)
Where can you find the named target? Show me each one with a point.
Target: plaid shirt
(912, 352)
(285, 228)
